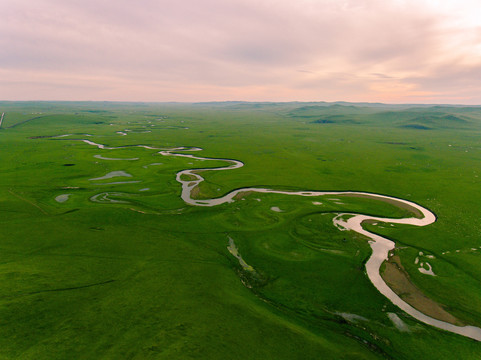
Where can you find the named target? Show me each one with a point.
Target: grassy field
(129, 271)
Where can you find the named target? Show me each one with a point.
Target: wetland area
(240, 224)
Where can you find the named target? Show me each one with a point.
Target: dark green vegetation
(152, 277)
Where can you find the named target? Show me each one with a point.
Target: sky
(391, 51)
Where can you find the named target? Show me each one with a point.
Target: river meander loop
(380, 246)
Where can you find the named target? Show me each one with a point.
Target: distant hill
(441, 121)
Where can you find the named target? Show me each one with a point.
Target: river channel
(351, 222)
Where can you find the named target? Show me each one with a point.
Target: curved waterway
(380, 246)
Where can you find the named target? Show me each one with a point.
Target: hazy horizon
(341, 102)
(391, 52)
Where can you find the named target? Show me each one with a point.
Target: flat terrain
(100, 258)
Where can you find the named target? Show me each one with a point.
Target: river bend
(380, 246)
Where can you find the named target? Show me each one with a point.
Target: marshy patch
(400, 282)
(112, 174)
(62, 198)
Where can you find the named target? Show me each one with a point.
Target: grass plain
(150, 277)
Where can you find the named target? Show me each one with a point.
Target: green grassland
(150, 277)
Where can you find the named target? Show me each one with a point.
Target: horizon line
(339, 102)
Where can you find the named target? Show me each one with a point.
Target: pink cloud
(241, 49)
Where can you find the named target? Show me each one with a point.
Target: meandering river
(380, 246)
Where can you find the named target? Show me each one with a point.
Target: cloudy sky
(395, 51)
